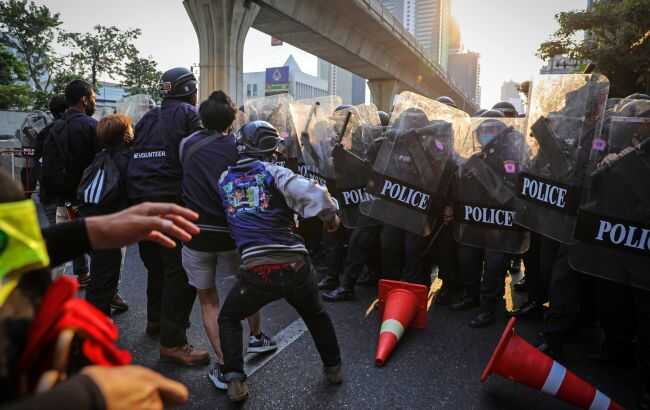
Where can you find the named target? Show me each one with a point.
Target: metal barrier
(22, 165)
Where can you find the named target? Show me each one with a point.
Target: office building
(561, 64)
(350, 87)
(510, 93)
(428, 21)
(298, 83)
(465, 72)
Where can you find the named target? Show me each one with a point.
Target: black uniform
(154, 174)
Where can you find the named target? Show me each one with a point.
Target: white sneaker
(216, 376)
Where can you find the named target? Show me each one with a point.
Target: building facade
(510, 93)
(428, 21)
(301, 85)
(350, 87)
(465, 71)
(560, 64)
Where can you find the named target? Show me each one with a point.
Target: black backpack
(100, 183)
(56, 177)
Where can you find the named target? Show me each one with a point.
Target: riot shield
(411, 174)
(613, 223)
(565, 117)
(135, 106)
(490, 159)
(273, 109)
(353, 171)
(312, 119)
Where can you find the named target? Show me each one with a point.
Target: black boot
(339, 294)
(483, 319)
(529, 310)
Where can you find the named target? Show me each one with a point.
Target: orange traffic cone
(402, 304)
(516, 359)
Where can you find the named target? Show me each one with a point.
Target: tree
(141, 76)
(618, 42)
(14, 93)
(30, 30)
(102, 51)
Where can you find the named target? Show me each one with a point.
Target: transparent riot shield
(316, 136)
(135, 106)
(490, 159)
(434, 109)
(613, 223)
(411, 173)
(273, 109)
(565, 117)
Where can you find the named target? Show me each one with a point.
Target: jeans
(105, 266)
(169, 294)
(56, 215)
(252, 291)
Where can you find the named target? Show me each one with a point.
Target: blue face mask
(485, 139)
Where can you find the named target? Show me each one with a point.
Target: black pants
(169, 295)
(80, 263)
(105, 266)
(360, 250)
(536, 279)
(335, 249)
(444, 254)
(251, 292)
(402, 256)
(563, 288)
(483, 280)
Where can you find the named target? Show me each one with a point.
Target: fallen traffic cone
(517, 360)
(402, 304)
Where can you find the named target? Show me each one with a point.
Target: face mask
(485, 139)
(22, 248)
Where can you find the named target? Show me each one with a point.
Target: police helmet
(480, 112)
(506, 108)
(492, 114)
(257, 138)
(411, 118)
(447, 101)
(488, 130)
(638, 96)
(343, 107)
(384, 118)
(635, 108)
(177, 82)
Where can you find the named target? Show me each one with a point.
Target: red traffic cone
(517, 360)
(402, 304)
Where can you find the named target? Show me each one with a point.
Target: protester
(154, 174)
(68, 148)
(205, 155)
(260, 200)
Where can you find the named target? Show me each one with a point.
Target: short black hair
(217, 112)
(76, 90)
(57, 105)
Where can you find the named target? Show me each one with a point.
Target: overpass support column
(383, 91)
(221, 27)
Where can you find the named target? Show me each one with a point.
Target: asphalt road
(435, 368)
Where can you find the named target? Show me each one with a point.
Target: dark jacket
(79, 130)
(120, 155)
(201, 174)
(154, 170)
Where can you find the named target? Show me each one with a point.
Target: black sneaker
(216, 376)
(328, 283)
(261, 344)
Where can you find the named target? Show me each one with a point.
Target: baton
(345, 127)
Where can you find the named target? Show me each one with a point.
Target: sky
(506, 33)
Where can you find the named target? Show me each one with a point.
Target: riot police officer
(154, 174)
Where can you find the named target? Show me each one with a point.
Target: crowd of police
(555, 199)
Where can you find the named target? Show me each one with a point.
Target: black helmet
(447, 101)
(343, 107)
(635, 108)
(177, 82)
(384, 118)
(493, 113)
(257, 138)
(411, 118)
(506, 108)
(480, 112)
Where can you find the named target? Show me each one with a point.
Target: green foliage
(30, 29)
(100, 52)
(618, 42)
(14, 93)
(141, 76)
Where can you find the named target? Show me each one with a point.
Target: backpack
(100, 183)
(56, 177)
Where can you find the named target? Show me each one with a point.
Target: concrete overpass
(358, 35)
